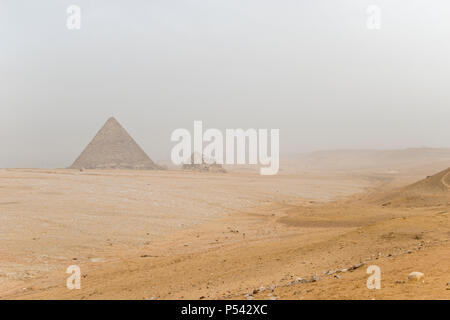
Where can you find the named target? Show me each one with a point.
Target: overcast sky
(310, 68)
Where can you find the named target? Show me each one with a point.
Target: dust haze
(310, 68)
(87, 183)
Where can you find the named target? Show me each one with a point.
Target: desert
(175, 234)
(195, 155)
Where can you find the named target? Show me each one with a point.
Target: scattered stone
(273, 298)
(399, 281)
(356, 266)
(337, 276)
(250, 298)
(416, 276)
(96, 260)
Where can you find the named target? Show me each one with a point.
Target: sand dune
(432, 191)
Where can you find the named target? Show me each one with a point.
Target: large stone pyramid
(113, 148)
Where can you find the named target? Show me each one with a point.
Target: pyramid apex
(112, 122)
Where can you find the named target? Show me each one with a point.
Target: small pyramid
(206, 165)
(113, 148)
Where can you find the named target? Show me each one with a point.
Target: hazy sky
(310, 68)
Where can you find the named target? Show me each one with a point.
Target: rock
(337, 276)
(255, 291)
(356, 266)
(96, 260)
(273, 298)
(261, 289)
(416, 276)
(250, 298)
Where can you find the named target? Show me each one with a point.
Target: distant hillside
(384, 161)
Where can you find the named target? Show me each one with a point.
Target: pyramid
(113, 148)
(206, 165)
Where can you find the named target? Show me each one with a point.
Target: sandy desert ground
(303, 234)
